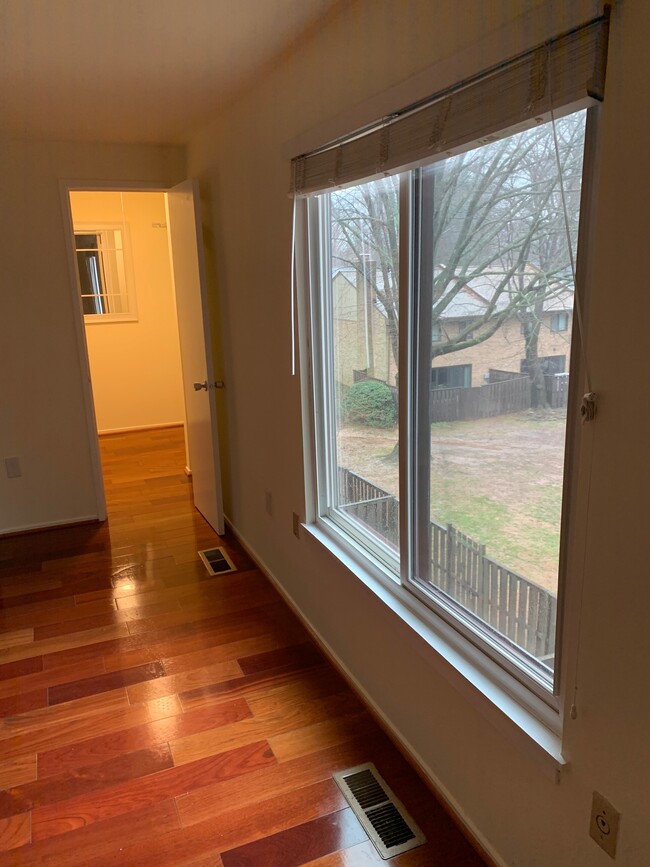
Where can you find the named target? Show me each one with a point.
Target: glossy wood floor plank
(270, 782)
(15, 772)
(149, 689)
(115, 744)
(69, 785)
(223, 653)
(311, 738)
(261, 724)
(60, 818)
(362, 855)
(22, 702)
(310, 681)
(41, 737)
(97, 842)
(16, 638)
(14, 832)
(63, 714)
(105, 682)
(64, 642)
(292, 846)
(65, 610)
(51, 677)
(11, 670)
(241, 826)
(152, 714)
(23, 613)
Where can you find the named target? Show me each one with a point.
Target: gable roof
(474, 296)
(478, 292)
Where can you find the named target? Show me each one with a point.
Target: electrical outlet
(604, 823)
(12, 468)
(268, 502)
(296, 525)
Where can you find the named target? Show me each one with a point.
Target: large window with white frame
(441, 437)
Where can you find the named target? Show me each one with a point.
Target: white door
(188, 268)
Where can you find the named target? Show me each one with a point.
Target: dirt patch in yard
(499, 480)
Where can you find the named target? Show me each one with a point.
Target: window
(454, 376)
(106, 293)
(455, 491)
(360, 228)
(485, 517)
(559, 322)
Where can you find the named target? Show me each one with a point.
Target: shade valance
(560, 75)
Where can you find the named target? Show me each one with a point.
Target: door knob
(199, 385)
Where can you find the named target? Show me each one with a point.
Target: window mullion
(324, 405)
(407, 462)
(423, 301)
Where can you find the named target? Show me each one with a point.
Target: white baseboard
(469, 829)
(118, 430)
(50, 525)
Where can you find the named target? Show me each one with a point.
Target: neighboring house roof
(478, 292)
(346, 273)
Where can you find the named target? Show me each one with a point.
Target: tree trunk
(531, 322)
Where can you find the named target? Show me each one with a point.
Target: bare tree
(498, 213)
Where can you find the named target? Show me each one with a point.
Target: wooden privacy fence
(514, 606)
(375, 507)
(557, 390)
(483, 401)
(505, 393)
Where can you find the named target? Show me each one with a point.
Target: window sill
(527, 721)
(106, 318)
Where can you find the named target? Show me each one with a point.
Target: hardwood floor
(153, 715)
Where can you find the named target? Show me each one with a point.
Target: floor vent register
(216, 561)
(384, 818)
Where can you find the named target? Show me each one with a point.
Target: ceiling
(136, 70)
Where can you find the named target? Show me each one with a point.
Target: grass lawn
(499, 480)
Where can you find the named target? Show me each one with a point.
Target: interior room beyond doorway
(122, 254)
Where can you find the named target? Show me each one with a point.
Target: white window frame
(126, 288)
(481, 665)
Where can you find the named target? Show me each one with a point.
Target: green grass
(517, 540)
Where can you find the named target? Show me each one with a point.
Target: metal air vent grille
(382, 815)
(216, 561)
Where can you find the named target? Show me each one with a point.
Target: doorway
(130, 322)
(141, 313)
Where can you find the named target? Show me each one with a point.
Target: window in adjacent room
(106, 293)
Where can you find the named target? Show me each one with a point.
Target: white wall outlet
(12, 468)
(268, 503)
(604, 824)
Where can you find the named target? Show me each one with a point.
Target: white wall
(241, 159)
(42, 418)
(136, 366)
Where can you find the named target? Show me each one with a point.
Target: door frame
(66, 186)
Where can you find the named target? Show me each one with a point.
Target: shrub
(371, 403)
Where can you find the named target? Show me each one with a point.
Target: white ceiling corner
(135, 70)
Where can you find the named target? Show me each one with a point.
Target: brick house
(505, 350)
(362, 338)
(363, 342)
